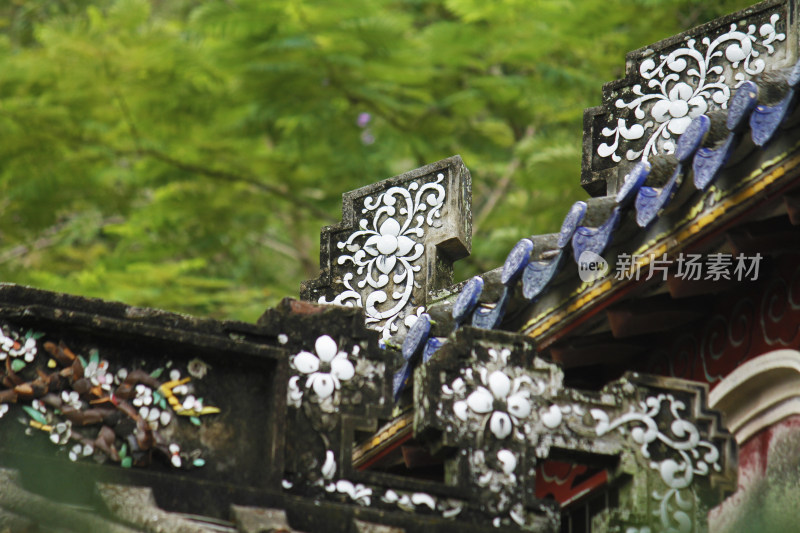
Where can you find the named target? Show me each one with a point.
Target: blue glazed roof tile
(592, 225)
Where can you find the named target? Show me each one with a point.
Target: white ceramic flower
(679, 107)
(387, 245)
(71, 399)
(28, 350)
(80, 450)
(61, 432)
(504, 406)
(325, 370)
(16, 348)
(97, 373)
(144, 395)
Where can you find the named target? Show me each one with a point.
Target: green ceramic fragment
(194, 420)
(36, 415)
(199, 462)
(127, 462)
(156, 373)
(17, 365)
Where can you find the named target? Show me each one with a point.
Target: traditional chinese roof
(667, 184)
(693, 155)
(282, 425)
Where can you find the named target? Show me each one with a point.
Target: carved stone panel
(677, 79)
(97, 391)
(503, 411)
(397, 241)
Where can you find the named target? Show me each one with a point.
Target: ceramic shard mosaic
(92, 410)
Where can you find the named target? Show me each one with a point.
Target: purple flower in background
(363, 119)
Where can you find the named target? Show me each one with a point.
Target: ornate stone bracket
(677, 79)
(502, 410)
(494, 411)
(397, 241)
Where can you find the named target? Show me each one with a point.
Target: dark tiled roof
(711, 144)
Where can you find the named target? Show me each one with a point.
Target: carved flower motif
(71, 399)
(9, 345)
(97, 373)
(383, 252)
(684, 83)
(61, 432)
(503, 406)
(325, 370)
(388, 244)
(678, 107)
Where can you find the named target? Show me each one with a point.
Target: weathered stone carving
(504, 410)
(500, 411)
(397, 241)
(675, 80)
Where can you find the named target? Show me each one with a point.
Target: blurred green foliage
(184, 154)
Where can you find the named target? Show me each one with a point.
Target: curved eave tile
(595, 239)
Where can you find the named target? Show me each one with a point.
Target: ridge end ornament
(671, 82)
(397, 241)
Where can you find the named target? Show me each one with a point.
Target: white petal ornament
(499, 384)
(386, 263)
(323, 384)
(326, 348)
(342, 368)
(460, 410)
(552, 417)
(480, 401)
(519, 405)
(508, 460)
(389, 227)
(306, 362)
(500, 425)
(404, 245)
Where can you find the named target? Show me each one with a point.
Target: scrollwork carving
(685, 83)
(386, 249)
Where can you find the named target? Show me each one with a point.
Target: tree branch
(230, 177)
(500, 189)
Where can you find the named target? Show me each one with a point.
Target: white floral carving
(358, 492)
(17, 347)
(494, 397)
(684, 84)
(505, 404)
(385, 252)
(412, 502)
(501, 482)
(691, 454)
(325, 370)
(97, 372)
